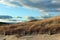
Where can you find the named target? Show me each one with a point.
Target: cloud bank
(42, 5)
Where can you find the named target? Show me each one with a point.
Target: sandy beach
(32, 37)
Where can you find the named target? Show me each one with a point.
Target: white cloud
(56, 1)
(42, 5)
(34, 1)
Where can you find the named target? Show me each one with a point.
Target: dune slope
(46, 26)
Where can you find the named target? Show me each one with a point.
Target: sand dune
(47, 29)
(32, 37)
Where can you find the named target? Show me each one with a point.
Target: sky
(18, 11)
(33, 8)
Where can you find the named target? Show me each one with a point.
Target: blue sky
(33, 8)
(18, 11)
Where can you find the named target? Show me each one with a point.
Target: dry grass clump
(46, 26)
